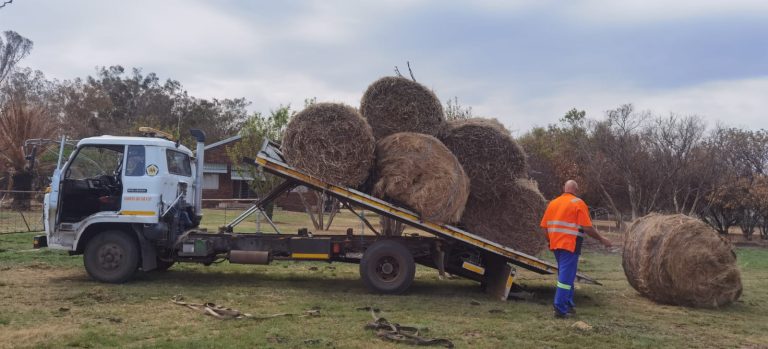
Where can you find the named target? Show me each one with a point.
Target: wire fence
(21, 211)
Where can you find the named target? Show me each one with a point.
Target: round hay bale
(394, 104)
(679, 260)
(420, 172)
(332, 142)
(512, 219)
(489, 155)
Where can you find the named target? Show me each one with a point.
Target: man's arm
(545, 233)
(592, 232)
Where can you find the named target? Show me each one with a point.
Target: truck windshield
(96, 160)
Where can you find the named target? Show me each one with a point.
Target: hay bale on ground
(512, 219)
(330, 141)
(421, 173)
(489, 155)
(395, 104)
(677, 259)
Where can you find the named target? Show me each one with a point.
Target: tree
(760, 193)
(598, 171)
(13, 50)
(455, 111)
(673, 143)
(20, 121)
(254, 131)
(116, 102)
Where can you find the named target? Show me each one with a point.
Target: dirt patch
(96, 295)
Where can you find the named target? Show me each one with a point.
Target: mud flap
(148, 254)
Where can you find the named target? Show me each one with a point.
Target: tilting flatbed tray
(270, 158)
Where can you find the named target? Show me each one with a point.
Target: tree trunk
(269, 210)
(632, 200)
(391, 227)
(617, 216)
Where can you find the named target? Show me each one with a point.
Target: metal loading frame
(270, 158)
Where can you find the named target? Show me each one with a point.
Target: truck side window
(178, 163)
(134, 165)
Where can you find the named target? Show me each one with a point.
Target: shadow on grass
(290, 280)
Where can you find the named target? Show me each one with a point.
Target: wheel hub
(387, 269)
(110, 256)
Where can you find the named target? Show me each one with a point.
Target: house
(223, 183)
(221, 179)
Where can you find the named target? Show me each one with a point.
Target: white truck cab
(116, 190)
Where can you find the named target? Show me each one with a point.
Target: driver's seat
(109, 203)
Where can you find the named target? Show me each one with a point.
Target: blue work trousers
(567, 264)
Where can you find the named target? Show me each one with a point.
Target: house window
(241, 190)
(211, 181)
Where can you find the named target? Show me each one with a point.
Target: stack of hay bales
(471, 172)
(396, 106)
(503, 205)
(679, 260)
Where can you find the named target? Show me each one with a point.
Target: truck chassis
(387, 263)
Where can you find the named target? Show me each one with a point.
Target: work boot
(559, 315)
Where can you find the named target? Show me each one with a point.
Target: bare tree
(13, 50)
(20, 121)
(455, 111)
(672, 143)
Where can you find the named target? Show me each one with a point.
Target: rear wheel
(387, 267)
(111, 256)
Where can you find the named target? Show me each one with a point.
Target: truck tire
(112, 256)
(387, 267)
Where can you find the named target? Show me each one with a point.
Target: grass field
(48, 301)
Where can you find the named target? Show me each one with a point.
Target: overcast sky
(523, 62)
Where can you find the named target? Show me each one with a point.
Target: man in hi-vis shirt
(565, 222)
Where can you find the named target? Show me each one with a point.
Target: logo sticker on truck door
(152, 170)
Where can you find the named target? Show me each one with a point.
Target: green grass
(48, 301)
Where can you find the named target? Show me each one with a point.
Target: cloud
(738, 103)
(268, 92)
(638, 12)
(526, 61)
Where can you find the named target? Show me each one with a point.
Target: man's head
(571, 187)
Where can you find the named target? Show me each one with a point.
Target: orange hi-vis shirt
(562, 219)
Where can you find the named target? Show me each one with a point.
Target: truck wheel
(387, 267)
(111, 256)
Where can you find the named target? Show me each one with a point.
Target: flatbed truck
(135, 203)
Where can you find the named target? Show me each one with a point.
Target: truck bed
(270, 158)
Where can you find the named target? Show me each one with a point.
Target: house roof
(223, 141)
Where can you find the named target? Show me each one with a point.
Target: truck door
(179, 175)
(91, 182)
(140, 197)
